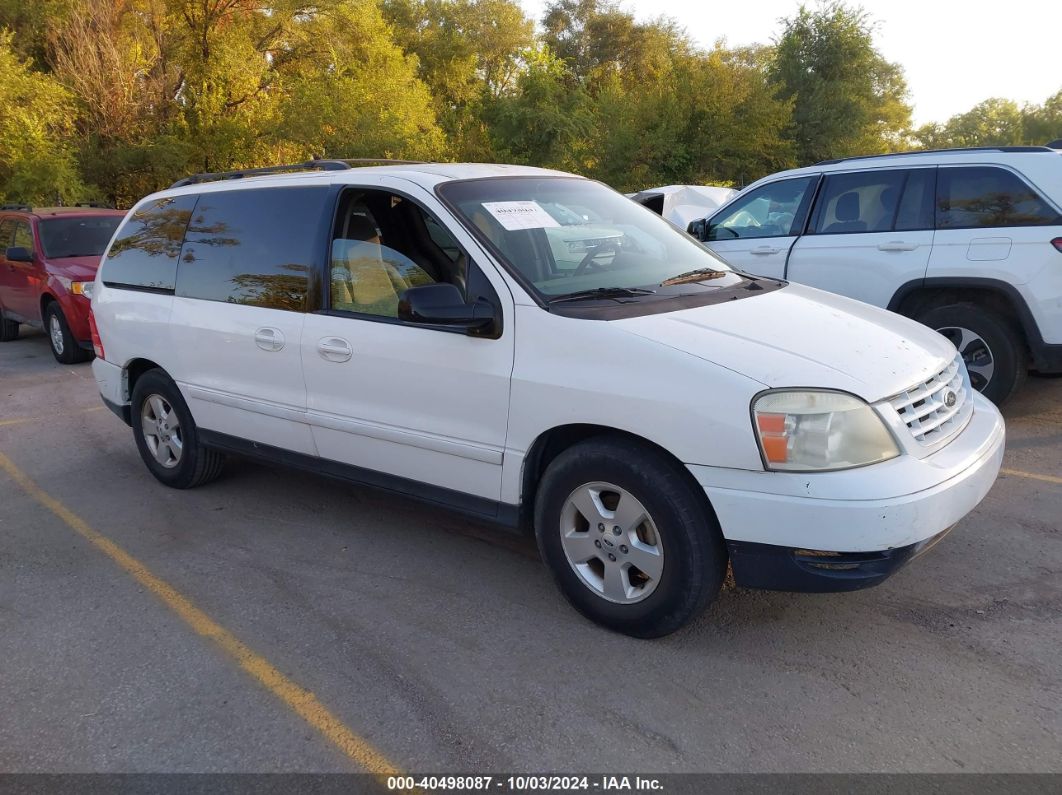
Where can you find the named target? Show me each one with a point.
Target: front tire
(627, 537)
(64, 347)
(993, 350)
(166, 435)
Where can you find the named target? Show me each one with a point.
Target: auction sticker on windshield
(521, 215)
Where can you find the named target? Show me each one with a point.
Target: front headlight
(82, 288)
(805, 431)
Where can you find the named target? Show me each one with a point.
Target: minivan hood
(802, 337)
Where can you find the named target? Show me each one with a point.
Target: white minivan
(651, 413)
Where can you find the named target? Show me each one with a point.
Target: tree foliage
(114, 99)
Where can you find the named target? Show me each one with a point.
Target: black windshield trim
(657, 304)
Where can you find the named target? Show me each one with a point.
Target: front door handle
(764, 250)
(334, 349)
(897, 245)
(269, 339)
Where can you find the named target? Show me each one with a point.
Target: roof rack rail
(95, 205)
(938, 151)
(22, 207)
(317, 164)
(309, 165)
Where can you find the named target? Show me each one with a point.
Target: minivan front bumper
(839, 531)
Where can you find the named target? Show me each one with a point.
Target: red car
(48, 261)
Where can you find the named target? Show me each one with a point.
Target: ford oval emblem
(950, 398)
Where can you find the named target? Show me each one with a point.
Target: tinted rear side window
(254, 247)
(861, 202)
(144, 255)
(985, 196)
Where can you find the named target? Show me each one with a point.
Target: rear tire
(8, 329)
(992, 348)
(627, 537)
(166, 435)
(64, 347)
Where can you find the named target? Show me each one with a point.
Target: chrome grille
(924, 407)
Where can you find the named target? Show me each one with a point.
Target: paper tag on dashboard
(521, 215)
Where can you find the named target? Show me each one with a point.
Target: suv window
(253, 247)
(144, 255)
(23, 235)
(854, 203)
(7, 232)
(384, 244)
(773, 210)
(986, 196)
(916, 205)
(80, 236)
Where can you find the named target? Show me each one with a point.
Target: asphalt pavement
(439, 644)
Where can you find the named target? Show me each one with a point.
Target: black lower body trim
(86, 345)
(479, 507)
(777, 568)
(1047, 358)
(124, 413)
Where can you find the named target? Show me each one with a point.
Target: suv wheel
(64, 347)
(166, 435)
(627, 538)
(993, 350)
(8, 328)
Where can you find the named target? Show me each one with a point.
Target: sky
(953, 54)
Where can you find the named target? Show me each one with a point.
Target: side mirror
(698, 228)
(442, 304)
(19, 254)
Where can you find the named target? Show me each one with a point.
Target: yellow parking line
(1032, 476)
(299, 700)
(17, 421)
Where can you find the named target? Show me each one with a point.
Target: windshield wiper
(601, 292)
(699, 275)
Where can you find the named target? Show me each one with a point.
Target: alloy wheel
(162, 431)
(975, 353)
(55, 331)
(611, 542)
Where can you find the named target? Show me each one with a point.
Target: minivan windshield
(569, 238)
(79, 236)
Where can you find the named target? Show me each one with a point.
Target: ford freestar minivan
(533, 348)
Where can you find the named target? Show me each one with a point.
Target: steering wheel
(596, 250)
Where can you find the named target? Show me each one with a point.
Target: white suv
(967, 241)
(533, 348)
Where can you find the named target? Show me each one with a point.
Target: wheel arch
(915, 296)
(132, 371)
(552, 442)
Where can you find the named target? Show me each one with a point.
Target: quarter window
(253, 247)
(7, 231)
(23, 236)
(773, 210)
(859, 202)
(985, 196)
(144, 255)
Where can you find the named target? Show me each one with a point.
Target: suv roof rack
(21, 207)
(938, 151)
(94, 205)
(309, 165)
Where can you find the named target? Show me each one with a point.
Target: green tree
(847, 98)
(1042, 124)
(37, 163)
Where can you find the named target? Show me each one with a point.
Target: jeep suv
(478, 337)
(967, 241)
(48, 262)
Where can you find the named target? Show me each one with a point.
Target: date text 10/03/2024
(525, 783)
